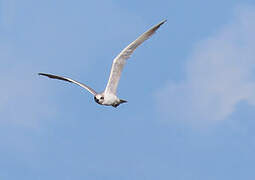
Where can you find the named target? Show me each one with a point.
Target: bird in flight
(108, 97)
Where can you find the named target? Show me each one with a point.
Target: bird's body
(108, 97)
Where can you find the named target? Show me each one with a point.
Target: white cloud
(219, 74)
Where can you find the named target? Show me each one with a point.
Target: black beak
(95, 99)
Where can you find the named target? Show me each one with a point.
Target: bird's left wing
(92, 91)
(120, 60)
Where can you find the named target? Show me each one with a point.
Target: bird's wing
(119, 61)
(71, 81)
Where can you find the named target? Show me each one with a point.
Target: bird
(109, 96)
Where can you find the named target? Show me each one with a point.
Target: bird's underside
(108, 97)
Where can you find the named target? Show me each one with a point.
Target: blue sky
(190, 115)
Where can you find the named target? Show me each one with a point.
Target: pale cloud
(219, 74)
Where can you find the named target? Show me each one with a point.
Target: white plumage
(109, 95)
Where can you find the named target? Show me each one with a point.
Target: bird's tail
(122, 101)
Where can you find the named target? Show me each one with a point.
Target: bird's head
(99, 98)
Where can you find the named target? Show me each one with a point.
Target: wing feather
(71, 81)
(120, 60)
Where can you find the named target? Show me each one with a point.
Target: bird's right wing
(120, 60)
(71, 81)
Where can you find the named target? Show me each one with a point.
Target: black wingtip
(159, 24)
(47, 75)
(162, 22)
(43, 74)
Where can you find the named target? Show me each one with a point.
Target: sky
(190, 90)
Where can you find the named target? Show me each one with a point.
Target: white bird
(108, 97)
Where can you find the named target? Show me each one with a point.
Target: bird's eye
(102, 97)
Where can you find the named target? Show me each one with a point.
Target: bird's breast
(110, 99)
